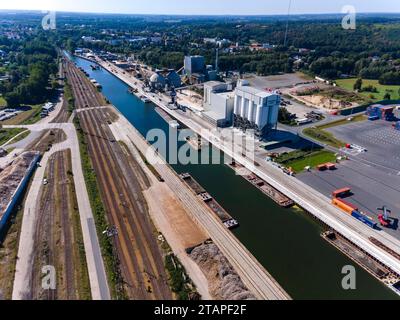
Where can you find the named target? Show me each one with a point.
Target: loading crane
(384, 217)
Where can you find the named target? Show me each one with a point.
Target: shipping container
(341, 192)
(373, 118)
(331, 166)
(364, 219)
(344, 205)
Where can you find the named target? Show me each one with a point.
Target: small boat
(94, 67)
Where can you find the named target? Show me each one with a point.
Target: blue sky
(221, 7)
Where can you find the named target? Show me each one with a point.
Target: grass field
(3, 102)
(382, 89)
(303, 159)
(357, 118)
(324, 137)
(7, 134)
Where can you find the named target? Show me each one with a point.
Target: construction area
(14, 177)
(225, 284)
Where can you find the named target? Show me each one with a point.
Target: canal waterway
(286, 242)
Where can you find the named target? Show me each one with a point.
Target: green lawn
(3, 102)
(382, 89)
(7, 134)
(304, 159)
(318, 133)
(323, 136)
(341, 122)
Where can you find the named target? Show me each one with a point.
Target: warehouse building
(255, 109)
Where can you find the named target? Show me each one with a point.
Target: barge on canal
(214, 206)
(263, 186)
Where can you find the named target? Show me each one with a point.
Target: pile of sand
(224, 282)
(11, 177)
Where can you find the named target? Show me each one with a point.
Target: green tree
(387, 96)
(12, 99)
(358, 85)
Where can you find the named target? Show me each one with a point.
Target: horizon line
(194, 15)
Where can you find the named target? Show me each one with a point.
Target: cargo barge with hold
(214, 206)
(263, 186)
(363, 259)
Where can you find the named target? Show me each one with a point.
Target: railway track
(54, 238)
(66, 223)
(141, 263)
(44, 239)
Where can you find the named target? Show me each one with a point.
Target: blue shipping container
(364, 219)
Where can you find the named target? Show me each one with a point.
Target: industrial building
(255, 109)
(157, 81)
(165, 78)
(194, 64)
(173, 79)
(218, 103)
(197, 71)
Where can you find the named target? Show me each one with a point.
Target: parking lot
(378, 137)
(277, 81)
(373, 176)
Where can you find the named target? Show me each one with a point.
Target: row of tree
(30, 70)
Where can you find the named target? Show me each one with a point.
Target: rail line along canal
(285, 241)
(139, 267)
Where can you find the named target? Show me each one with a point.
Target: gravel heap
(11, 177)
(224, 282)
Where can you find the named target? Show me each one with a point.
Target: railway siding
(139, 256)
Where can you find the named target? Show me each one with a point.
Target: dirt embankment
(11, 177)
(224, 282)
